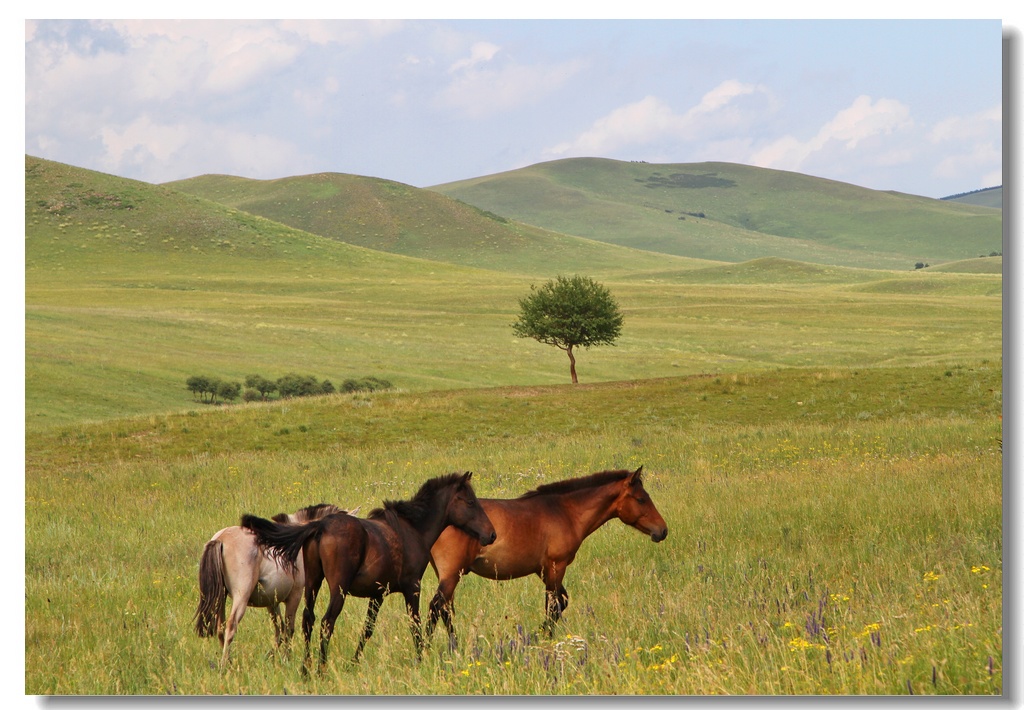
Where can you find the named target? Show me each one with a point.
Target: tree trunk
(572, 365)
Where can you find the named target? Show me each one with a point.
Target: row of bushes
(211, 389)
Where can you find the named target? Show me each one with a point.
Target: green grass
(748, 213)
(823, 441)
(830, 531)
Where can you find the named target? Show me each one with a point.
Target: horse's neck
(427, 530)
(592, 507)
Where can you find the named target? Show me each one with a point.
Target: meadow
(830, 531)
(824, 443)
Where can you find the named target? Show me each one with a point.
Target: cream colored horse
(234, 565)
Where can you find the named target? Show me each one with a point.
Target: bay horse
(233, 564)
(539, 533)
(371, 557)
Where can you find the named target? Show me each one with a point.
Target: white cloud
(980, 126)
(142, 139)
(479, 52)
(150, 147)
(862, 121)
(969, 160)
(651, 120)
(479, 92)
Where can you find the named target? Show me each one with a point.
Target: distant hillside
(401, 219)
(130, 288)
(980, 265)
(728, 212)
(989, 197)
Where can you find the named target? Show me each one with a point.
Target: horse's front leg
(275, 617)
(291, 606)
(556, 595)
(371, 620)
(412, 605)
(443, 606)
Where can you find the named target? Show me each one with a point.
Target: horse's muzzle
(486, 540)
(659, 535)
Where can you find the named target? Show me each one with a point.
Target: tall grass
(831, 554)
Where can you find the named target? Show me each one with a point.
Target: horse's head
(466, 513)
(635, 508)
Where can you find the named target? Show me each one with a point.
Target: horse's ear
(636, 476)
(466, 476)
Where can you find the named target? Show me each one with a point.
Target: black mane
(416, 509)
(575, 484)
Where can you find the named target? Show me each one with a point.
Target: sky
(907, 105)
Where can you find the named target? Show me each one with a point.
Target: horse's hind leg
(334, 607)
(238, 606)
(314, 578)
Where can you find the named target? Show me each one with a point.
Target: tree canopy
(569, 313)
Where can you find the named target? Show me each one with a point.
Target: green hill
(401, 219)
(130, 288)
(728, 212)
(979, 265)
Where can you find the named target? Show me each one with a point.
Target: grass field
(824, 442)
(830, 531)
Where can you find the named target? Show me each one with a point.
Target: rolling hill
(130, 288)
(728, 212)
(400, 219)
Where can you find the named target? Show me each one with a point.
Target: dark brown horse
(233, 564)
(384, 553)
(539, 533)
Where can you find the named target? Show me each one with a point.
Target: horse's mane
(416, 508)
(577, 484)
(310, 512)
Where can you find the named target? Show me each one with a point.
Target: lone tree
(569, 313)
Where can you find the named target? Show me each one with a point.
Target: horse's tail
(213, 591)
(282, 541)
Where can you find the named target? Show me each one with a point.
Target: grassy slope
(131, 288)
(400, 219)
(749, 213)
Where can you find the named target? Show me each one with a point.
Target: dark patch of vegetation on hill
(74, 196)
(686, 180)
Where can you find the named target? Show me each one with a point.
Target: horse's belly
(275, 583)
(493, 565)
(270, 592)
